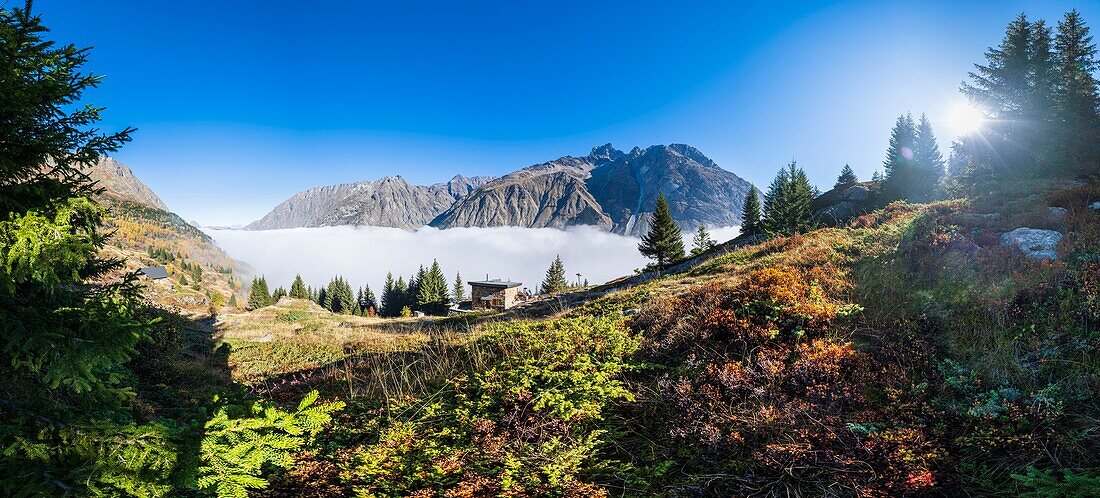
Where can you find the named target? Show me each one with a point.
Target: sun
(965, 119)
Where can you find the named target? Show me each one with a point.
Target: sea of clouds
(363, 255)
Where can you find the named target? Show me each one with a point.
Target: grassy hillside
(908, 353)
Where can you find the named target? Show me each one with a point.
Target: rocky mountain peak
(605, 153)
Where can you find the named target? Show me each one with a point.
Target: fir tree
(433, 297)
(1075, 94)
(899, 163)
(390, 300)
(278, 294)
(322, 297)
(876, 176)
(787, 203)
(702, 241)
(401, 294)
(663, 242)
(554, 283)
(232, 301)
(66, 424)
(366, 302)
(258, 295)
(847, 177)
(459, 289)
(339, 297)
(928, 165)
(751, 222)
(298, 288)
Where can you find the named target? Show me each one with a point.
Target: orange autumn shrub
(759, 398)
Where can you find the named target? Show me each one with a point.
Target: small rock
(1095, 205)
(1035, 243)
(1057, 213)
(266, 338)
(630, 312)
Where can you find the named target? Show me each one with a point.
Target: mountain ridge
(608, 188)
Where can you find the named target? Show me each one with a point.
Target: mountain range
(608, 188)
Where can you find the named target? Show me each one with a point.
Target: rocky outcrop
(120, 183)
(387, 202)
(1033, 242)
(843, 203)
(548, 195)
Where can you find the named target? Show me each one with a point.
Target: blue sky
(241, 104)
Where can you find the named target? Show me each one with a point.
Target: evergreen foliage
(259, 296)
(298, 288)
(702, 241)
(458, 291)
(366, 301)
(787, 203)
(241, 442)
(663, 242)
(432, 295)
(928, 162)
(847, 177)
(278, 294)
(390, 301)
(751, 221)
(900, 163)
(1076, 99)
(339, 298)
(555, 282)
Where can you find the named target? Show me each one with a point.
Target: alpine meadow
(265, 249)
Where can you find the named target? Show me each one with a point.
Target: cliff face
(120, 183)
(548, 195)
(388, 202)
(607, 188)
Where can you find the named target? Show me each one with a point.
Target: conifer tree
(554, 283)
(401, 292)
(928, 165)
(847, 177)
(751, 222)
(876, 176)
(1075, 94)
(664, 242)
(322, 297)
(702, 241)
(232, 301)
(258, 296)
(390, 300)
(787, 203)
(298, 288)
(458, 290)
(433, 297)
(899, 163)
(278, 294)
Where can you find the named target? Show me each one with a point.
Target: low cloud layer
(365, 254)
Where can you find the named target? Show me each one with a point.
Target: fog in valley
(363, 255)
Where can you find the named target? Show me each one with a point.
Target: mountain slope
(548, 195)
(119, 182)
(607, 188)
(388, 202)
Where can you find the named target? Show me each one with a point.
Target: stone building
(493, 294)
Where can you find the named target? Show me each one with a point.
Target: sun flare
(965, 119)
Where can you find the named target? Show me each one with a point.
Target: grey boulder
(1033, 242)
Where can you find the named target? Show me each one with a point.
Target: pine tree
(390, 301)
(67, 425)
(751, 223)
(232, 301)
(322, 297)
(1015, 88)
(928, 164)
(876, 176)
(338, 296)
(702, 241)
(433, 297)
(1075, 94)
(664, 242)
(367, 302)
(787, 203)
(401, 293)
(258, 296)
(899, 163)
(554, 283)
(278, 294)
(298, 288)
(459, 289)
(847, 177)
